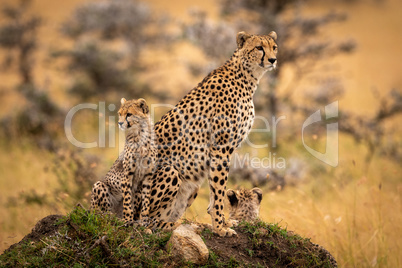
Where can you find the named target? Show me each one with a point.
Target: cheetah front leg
(145, 200)
(218, 174)
(126, 187)
(100, 198)
(137, 201)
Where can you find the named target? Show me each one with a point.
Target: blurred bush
(39, 114)
(37, 117)
(109, 37)
(96, 70)
(18, 36)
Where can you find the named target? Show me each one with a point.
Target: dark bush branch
(19, 36)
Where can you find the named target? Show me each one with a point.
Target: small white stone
(186, 244)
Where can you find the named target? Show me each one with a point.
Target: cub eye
(259, 48)
(128, 115)
(275, 47)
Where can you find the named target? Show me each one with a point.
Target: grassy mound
(85, 238)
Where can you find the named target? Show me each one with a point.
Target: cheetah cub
(244, 204)
(125, 188)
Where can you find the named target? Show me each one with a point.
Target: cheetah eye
(275, 47)
(128, 115)
(259, 48)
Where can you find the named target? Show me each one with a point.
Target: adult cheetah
(197, 138)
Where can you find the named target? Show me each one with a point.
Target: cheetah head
(244, 204)
(258, 52)
(133, 115)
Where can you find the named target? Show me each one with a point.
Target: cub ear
(122, 101)
(241, 39)
(143, 105)
(258, 191)
(273, 35)
(232, 197)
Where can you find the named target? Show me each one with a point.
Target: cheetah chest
(246, 118)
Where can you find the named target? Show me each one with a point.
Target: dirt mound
(42, 228)
(269, 249)
(91, 239)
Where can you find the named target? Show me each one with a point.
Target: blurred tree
(109, 37)
(97, 70)
(214, 38)
(18, 35)
(300, 41)
(37, 117)
(39, 114)
(372, 131)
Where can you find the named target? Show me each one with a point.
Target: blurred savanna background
(55, 55)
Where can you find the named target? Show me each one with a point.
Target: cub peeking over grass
(244, 204)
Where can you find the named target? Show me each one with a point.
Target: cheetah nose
(272, 60)
(120, 123)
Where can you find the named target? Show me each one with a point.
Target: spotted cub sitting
(125, 188)
(130, 188)
(244, 204)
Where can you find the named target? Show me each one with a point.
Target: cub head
(258, 51)
(244, 204)
(133, 115)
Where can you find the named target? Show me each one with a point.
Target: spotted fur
(244, 204)
(197, 138)
(129, 187)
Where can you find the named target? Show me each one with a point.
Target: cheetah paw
(128, 224)
(143, 222)
(148, 231)
(231, 223)
(225, 232)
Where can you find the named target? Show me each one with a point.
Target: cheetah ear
(273, 35)
(258, 191)
(143, 105)
(122, 101)
(232, 197)
(241, 39)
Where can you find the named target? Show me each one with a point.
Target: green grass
(298, 251)
(91, 239)
(76, 244)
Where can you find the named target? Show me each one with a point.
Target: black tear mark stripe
(262, 59)
(128, 122)
(263, 52)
